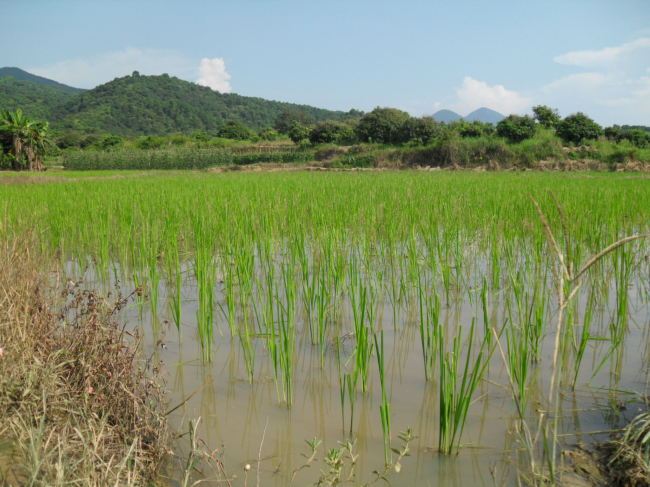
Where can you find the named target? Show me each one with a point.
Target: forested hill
(137, 105)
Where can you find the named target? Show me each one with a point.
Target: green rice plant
(384, 408)
(205, 281)
(457, 385)
(286, 336)
(323, 301)
(244, 268)
(228, 265)
(580, 347)
(429, 307)
(361, 302)
(520, 356)
(175, 281)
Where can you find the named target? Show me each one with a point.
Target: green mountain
(146, 105)
(21, 75)
(38, 97)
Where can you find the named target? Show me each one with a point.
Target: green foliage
(235, 130)
(516, 128)
(578, 128)
(636, 136)
(290, 117)
(23, 141)
(150, 105)
(332, 133)
(299, 133)
(420, 130)
(546, 116)
(474, 128)
(36, 100)
(382, 125)
(110, 142)
(269, 134)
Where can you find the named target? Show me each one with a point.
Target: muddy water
(247, 424)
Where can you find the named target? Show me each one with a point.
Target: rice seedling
(384, 408)
(429, 307)
(457, 386)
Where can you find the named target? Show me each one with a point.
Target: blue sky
(592, 56)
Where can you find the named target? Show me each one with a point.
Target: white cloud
(473, 94)
(605, 56)
(212, 73)
(577, 82)
(92, 71)
(615, 89)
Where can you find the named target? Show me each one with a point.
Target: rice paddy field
(432, 328)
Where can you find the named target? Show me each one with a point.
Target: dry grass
(76, 406)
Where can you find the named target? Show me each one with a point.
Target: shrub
(332, 133)
(516, 128)
(383, 125)
(149, 142)
(235, 131)
(472, 129)
(298, 133)
(577, 128)
(110, 142)
(420, 130)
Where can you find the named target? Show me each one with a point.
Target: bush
(110, 142)
(382, 125)
(235, 131)
(516, 128)
(577, 128)
(420, 130)
(473, 128)
(149, 142)
(298, 133)
(332, 133)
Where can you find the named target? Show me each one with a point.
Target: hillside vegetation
(146, 105)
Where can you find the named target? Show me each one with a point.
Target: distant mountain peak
(483, 114)
(446, 116)
(22, 75)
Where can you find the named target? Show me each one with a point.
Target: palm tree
(26, 140)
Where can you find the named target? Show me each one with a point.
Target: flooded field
(464, 308)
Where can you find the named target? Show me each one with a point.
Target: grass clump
(76, 407)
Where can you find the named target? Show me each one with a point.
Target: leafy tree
(235, 130)
(332, 133)
(516, 128)
(383, 125)
(420, 130)
(546, 116)
(26, 140)
(298, 133)
(577, 128)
